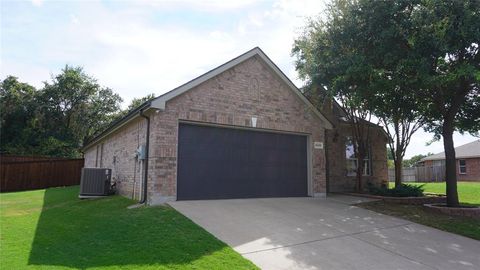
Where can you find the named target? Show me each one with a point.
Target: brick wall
(338, 179)
(118, 153)
(231, 98)
(473, 169)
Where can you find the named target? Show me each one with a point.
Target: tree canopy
(17, 105)
(358, 56)
(412, 162)
(446, 43)
(406, 61)
(57, 119)
(139, 101)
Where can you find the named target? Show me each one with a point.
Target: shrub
(401, 191)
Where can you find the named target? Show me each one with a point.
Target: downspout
(327, 165)
(145, 163)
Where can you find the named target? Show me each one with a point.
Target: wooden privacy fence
(13, 158)
(25, 174)
(420, 174)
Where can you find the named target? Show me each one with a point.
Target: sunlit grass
(468, 192)
(53, 229)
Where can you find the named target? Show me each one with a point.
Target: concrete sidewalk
(313, 233)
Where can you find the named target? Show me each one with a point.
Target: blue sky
(145, 47)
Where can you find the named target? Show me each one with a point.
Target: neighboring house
(467, 161)
(241, 130)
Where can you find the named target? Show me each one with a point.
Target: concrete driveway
(312, 233)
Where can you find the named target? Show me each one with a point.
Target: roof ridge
(159, 102)
(462, 151)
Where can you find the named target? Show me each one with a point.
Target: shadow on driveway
(329, 233)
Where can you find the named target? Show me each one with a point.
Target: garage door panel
(220, 163)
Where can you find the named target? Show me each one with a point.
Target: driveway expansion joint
(394, 253)
(327, 238)
(287, 234)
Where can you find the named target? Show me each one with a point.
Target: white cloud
(132, 52)
(37, 2)
(74, 19)
(275, 30)
(157, 60)
(34, 75)
(213, 6)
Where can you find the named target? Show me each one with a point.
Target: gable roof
(159, 102)
(469, 150)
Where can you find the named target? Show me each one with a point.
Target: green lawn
(53, 229)
(465, 226)
(468, 192)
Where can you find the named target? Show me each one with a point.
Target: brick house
(467, 159)
(240, 130)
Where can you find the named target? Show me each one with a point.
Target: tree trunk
(398, 171)
(359, 179)
(360, 168)
(450, 166)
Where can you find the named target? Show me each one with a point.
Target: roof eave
(159, 103)
(121, 122)
(456, 157)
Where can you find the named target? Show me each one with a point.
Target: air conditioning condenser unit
(96, 182)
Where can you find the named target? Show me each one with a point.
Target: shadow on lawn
(103, 232)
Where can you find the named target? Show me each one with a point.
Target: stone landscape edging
(455, 211)
(433, 199)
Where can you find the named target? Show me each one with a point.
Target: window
(462, 166)
(352, 160)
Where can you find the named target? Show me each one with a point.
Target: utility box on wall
(141, 152)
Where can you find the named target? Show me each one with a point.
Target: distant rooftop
(469, 150)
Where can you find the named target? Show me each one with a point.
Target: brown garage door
(224, 163)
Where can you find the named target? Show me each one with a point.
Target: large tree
(328, 64)
(384, 26)
(73, 107)
(56, 119)
(446, 40)
(362, 43)
(17, 109)
(410, 62)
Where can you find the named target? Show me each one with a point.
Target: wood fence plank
(19, 173)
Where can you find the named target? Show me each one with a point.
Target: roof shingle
(468, 150)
